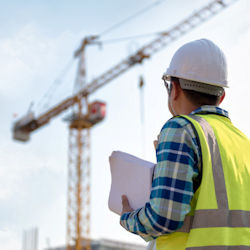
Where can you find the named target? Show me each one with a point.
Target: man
(200, 190)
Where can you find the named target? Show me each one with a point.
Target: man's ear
(175, 90)
(222, 97)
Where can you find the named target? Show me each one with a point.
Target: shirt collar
(207, 109)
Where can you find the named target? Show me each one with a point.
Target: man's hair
(198, 98)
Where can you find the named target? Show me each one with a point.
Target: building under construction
(105, 244)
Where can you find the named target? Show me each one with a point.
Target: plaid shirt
(176, 178)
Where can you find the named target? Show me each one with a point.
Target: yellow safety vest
(220, 209)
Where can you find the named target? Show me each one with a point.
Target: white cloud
(32, 193)
(30, 188)
(10, 239)
(30, 61)
(237, 99)
(33, 181)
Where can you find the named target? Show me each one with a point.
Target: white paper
(151, 245)
(131, 176)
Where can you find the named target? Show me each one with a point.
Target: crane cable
(115, 26)
(121, 39)
(46, 98)
(142, 113)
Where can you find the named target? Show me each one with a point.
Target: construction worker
(200, 189)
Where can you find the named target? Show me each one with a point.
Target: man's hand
(156, 142)
(125, 205)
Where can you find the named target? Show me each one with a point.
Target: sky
(37, 43)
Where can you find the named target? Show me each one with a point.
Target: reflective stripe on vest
(219, 248)
(219, 179)
(219, 183)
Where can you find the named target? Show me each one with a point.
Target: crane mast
(78, 207)
(86, 115)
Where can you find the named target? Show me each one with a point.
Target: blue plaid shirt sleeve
(178, 161)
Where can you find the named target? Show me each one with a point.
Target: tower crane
(85, 115)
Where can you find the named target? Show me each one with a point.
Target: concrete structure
(104, 244)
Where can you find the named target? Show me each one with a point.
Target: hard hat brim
(167, 75)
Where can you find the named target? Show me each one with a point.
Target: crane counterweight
(96, 113)
(23, 127)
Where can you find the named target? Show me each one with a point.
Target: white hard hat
(199, 61)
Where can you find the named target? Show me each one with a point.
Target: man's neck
(186, 108)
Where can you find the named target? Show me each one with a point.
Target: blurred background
(38, 70)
